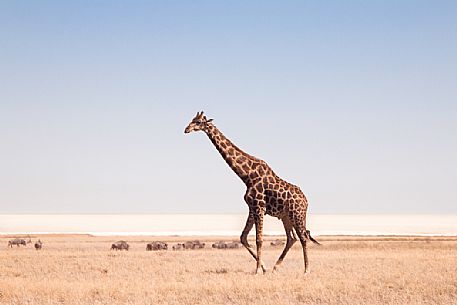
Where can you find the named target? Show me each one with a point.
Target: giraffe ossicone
(266, 193)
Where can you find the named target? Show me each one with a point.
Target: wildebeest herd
(22, 242)
(153, 246)
(188, 245)
(226, 245)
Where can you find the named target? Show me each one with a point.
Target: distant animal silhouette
(18, 242)
(120, 245)
(38, 245)
(178, 246)
(219, 245)
(194, 244)
(233, 245)
(156, 245)
(266, 194)
(226, 245)
(198, 244)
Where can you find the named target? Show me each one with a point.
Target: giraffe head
(199, 122)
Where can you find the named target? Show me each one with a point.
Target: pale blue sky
(354, 101)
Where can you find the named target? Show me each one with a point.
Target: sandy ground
(81, 269)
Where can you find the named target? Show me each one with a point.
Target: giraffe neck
(239, 161)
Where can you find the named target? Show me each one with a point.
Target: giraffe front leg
(244, 235)
(258, 217)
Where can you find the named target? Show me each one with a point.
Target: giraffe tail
(308, 235)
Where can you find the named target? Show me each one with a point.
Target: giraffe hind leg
(291, 239)
(301, 232)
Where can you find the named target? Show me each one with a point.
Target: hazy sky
(354, 101)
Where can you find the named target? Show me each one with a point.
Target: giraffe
(266, 194)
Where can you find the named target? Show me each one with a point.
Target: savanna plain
(81, 269)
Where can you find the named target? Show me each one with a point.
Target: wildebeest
(178, 246)
(157, 245)
(277, 242)
(219, 245)
(233, 245)
(194, 244)
(198, 244)
(18, 242)
(120, 245)
(38, 245)
(226, 245)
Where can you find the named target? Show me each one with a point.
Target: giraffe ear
(210, 120)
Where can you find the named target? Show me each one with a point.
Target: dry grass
(345, 270)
